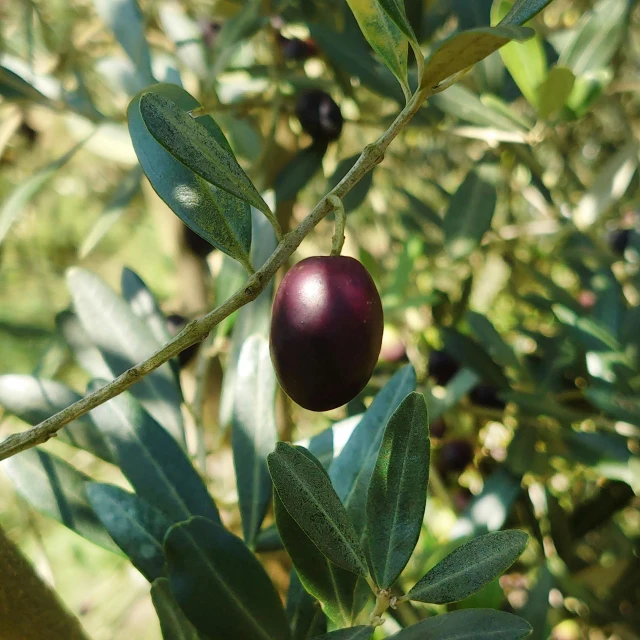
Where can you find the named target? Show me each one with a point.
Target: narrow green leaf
(492, 341)
(334, 587)
(398, 490)
(186, 35)
(470, 353)
(124, 193)
(253, 318)
(144, 305)
(384, 35)
(489, 510)
(136, 527)
(18, 199)
(125, 340)
(470, 567)
(299, 171)
(86, 354)
(459, 385)
(616, 406)
(524, 10)
(173, 623)
(14, 87)
(306, 618)
(55, 488)
(462, 50)
(126, 21)
(215, 215)
(360, 632)
(36, 399)
(208, 565)
(153, 462)
(307, 494)
(597, 37)
(526, 61)
(468, 624)
(469, 215)
(396, 10)
(254, 433)
(364, 442)
(190, 142)
(610, 185)
(555, 91)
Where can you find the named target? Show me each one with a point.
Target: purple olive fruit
(442, 367)
(455, 455)
(326, 331)
(319, 115)
(486, 395)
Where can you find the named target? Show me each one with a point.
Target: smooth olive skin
(326, 331)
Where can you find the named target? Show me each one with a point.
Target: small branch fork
(197, 330)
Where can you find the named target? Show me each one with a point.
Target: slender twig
(196, 330)
(340, 223)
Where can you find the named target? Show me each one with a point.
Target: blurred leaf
(379, 26)
(253, 318)
(36, 399)
(55, 488)
(18, 199)
(360, 632)
(331, 585)
(492, 341)
(538, 403)
(488, 511)
(188, 141)
(398, 490)
(555, 91)
(470, 567)
(125, 340)
(357, 195)
(348, 55)
(396, 10)
(207, 564)
(462, 50)
(460, 102)
(523, 10)
(423, 210)
(306, 618)
(152, 460)
(14, 87)
(173, 623)
(616, 406)
(254, 433)
(144, 305)
(586, 90)
(536, 608)
(186, 34)
(468, 624)
(299, 171)
(526, 62)
(87, 355)
(610, 184)
(126, 21)
(469, 215)
(471, 354)
(597, 37)
(127, 189)
(458, 387)
(307, 494)
(220, 218)
(136, 527)
(351, 471)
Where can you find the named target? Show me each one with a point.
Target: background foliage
(501, 227)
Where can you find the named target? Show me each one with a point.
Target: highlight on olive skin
(326, 331)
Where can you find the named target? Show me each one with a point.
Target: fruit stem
(340, 223)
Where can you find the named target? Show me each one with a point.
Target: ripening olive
(455, 455)
(326, 331)
(442, 367)
(486, 395)
(319, 115)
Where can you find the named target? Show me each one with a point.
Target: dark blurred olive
(197, 244)
(454, 455)
(319, 115)
(442, 367)
(296, 49)
(462, 499)
(210, 30)
(619, 241)
(176, 323)
(437, 428)
(486, 395)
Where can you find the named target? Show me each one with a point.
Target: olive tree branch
(197, 330)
